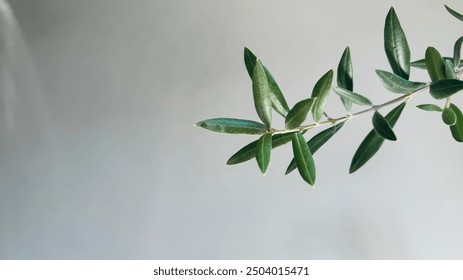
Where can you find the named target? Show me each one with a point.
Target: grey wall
(104, 161)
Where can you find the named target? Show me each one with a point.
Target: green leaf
(454, 13)
(435, 64)
(304, 160)
(372, 142)
(321, 91)
(429, 107)
(421, 64)
(233, 126)
(315, 143)
(278, 100)
(449, 70)
(397, 84)
(298, 113)
(457, 128)
(345, 76)
(248, 152)
(449, 117)
(263, 151)
(382, 127)
(444, 88)
(396, 46)
(261, 92)
(249, 60)
(457, 52)
(352, 96)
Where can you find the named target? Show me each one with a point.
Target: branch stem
(447, 102)
(331, 121)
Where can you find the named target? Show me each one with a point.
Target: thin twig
(333, 121)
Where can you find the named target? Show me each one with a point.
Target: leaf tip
(311, 184)
(263, 169)
(355, 165)
(201, 124)
(352, 169)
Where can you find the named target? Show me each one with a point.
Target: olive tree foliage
(444, 82)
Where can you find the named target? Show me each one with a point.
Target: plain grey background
(100, 159)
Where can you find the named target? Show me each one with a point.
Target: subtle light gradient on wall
(106, 163)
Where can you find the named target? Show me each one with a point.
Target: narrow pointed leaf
(352, 96)
(457, 128)
(421, 63)
(261, 92)
(449, 70)
(248, 152)
(382, 127)
(396, 46)
(372, 142)
(346, 103)
(278, 100)
(263, 151)
(396, 84)
(429, 107)
(435, 64)
(233, 126)
(345, 76)
(454, 13)
(249, 60)
(298, 113)
(304, 160)
(444, 88)
(321, 91)
(315, 143)
(457, 52)
(449, 116)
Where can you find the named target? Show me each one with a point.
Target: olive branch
(444, 73)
